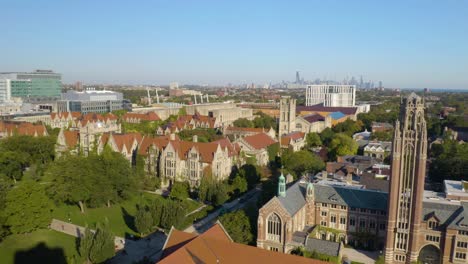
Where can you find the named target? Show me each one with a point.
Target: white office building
(331, 95)
(5, 90)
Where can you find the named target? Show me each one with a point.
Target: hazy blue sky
(405, 44)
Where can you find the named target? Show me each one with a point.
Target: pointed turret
(281, 186)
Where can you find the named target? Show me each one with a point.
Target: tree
(382, 135)
(250, 173)
(264, 121)
(450, 162)
(313, 140)
(85, 244)
(93, 181)
(103, 245)
(300, 162)
(239, 185)
(180, 191)
(221, 195)
(341, 145)
(348, 127)
(326, 136)
(243, 122)
(143, 220)
(27, 208)
(12, 164)
(237, 226)
(4, 187)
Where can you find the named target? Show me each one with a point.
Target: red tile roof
(259, 141)
(22, 128)
(215, 246)
(151, 116)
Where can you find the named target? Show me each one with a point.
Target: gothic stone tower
(407, 182)
(287, 115)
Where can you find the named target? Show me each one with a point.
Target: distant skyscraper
(361, 83)
(298, 78)
(331, 95)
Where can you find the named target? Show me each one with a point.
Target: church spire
(281, 185)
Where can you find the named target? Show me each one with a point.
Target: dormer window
(433, 224)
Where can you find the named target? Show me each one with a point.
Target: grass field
(41, 246)
(120, 216)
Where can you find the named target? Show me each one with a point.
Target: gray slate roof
(351, 197)
(450, 215)
(323, 246)
(359, 198)
(295, 198)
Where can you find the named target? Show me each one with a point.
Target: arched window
(274, 228)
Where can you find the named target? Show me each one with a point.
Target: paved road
(361, 255)
(205, 223)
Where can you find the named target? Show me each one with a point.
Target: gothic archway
(429, 254)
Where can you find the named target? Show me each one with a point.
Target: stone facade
(335, 213)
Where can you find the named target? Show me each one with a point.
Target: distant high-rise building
(298, 78)
(38, 85)
(380, 85)
(331, 95)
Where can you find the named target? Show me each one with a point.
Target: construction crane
(149, 97)
(157, 95)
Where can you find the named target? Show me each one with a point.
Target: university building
(408, 223)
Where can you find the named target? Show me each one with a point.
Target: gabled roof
(294, 199)
(215, 246)
(71, 138)
(323, 246)
(259, 141)
(22, 128)
(126, 140)
(293, 136)
(150, 116)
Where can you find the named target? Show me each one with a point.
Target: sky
(406, 44)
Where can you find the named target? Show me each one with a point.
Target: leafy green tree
(12, 164)
(348, 127)
(341, 145)
(243, 122)
(4, 187)
(313, 140)
(156, 209)
(85, 244)
(451, 163)
(273, 151)
(239, 185)
(36, 149)
(173, 214)
(326, 136)
(143, 220)
(92, 181)
(382, 135)
(238, 226)
(180, 191)
(27, 208)
(103, 245)
(264, 121)
(250, 173)
(221, 194)
(300, 162)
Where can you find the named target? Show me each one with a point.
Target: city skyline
(404, 45)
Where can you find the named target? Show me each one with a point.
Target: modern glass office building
(34, 85)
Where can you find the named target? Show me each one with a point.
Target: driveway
(367, 257)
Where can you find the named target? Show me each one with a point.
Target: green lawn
(120, 216)
(44, 246)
